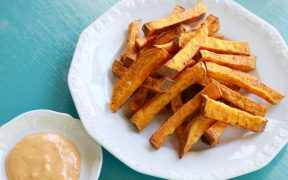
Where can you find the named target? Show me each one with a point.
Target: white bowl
(50, 121)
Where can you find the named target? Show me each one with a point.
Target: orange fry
(237, 99)
(185, 79)
(242, 102)
(135, 76)
(184, 37)
(194, 130)
(145, 49)
(167, 46)
(245, 81)
(118, 69)
(227, 47)
(213, 24)
(143, 41)
(175, 65)
(131, 53)
(166, 23)
(180, 116)
(178, 9)
(156, 85)
(176, 104)
(218, 36)
(208, 80)
(161, 38)
(168, 35)
(242, 63)
(191, 63)
(235, 117)
(137, 102)
(229, 85)
(216, 45)
(180, 131)
(212, 135)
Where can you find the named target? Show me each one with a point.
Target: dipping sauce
(43, 156)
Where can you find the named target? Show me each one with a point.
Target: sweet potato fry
(180, 116)
(167, 46)
(245, 81)
(145, 49)
(184, 37)
(178, 9)
(212, 135)
(205, 82)
(235, 117)
(229, 85)
(227, 47)
(213, 24)
(194, 130)
(168, 35)
(167, 23)
(191, 63)
(242, 102)
(185, 79)
(143, 41)
(154, 84)
(242, 63)
(148, 40)
(158, 85)
(176, 104)
(138, 101)
(215, 44)
(118, 69)
(175, 65)
(135, 76)
(131, 53)
(208, 80)
(218, 36)
(180, 131)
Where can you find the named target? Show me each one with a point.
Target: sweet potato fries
(183, 66)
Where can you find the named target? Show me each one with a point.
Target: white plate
(90, 82)
(43, 121)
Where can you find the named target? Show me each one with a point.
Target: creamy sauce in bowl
(43, 156)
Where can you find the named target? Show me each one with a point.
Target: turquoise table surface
(37, 42)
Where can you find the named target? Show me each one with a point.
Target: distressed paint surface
(37, 41)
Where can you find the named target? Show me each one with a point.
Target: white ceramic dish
(50, 121)
(90, 82)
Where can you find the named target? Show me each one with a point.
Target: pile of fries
(182, 65)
